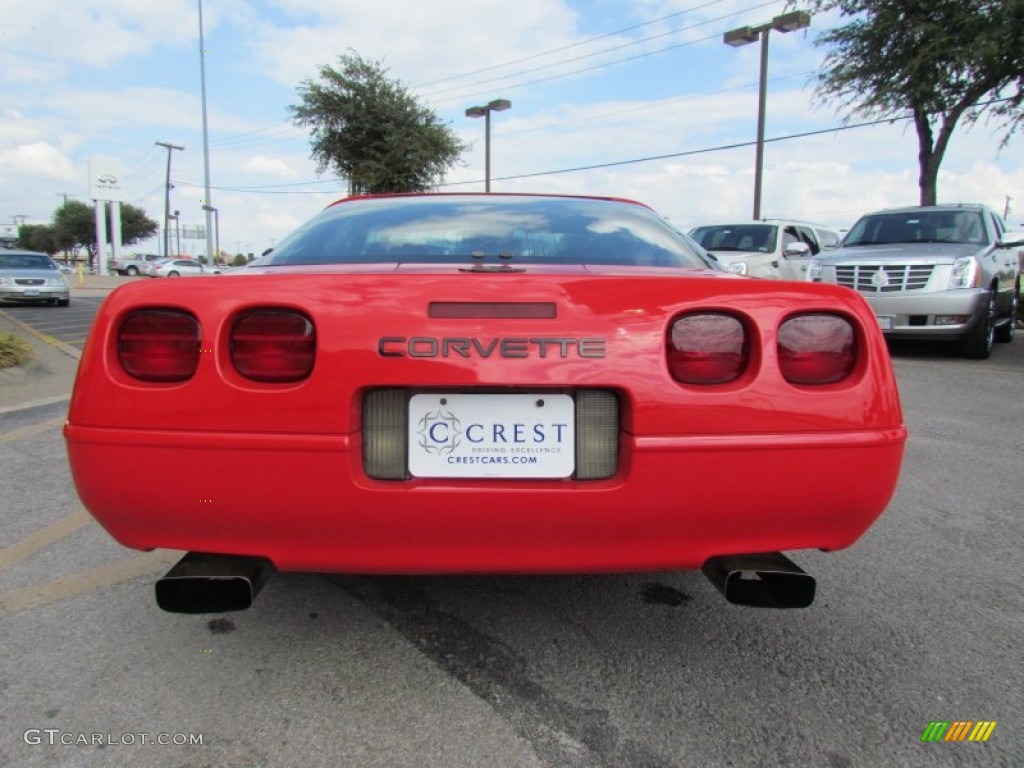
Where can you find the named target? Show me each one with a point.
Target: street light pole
(216, 229)
(177, 233)
(786, 22)
(207, 201)
(498, 105)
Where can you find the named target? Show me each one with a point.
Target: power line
(602, 65)
(577, 169)
(553, 51)
(687, 153)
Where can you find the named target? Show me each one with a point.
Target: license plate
(884, 322)
(510, 436)
(32, 292)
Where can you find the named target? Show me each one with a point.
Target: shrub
(14, 350)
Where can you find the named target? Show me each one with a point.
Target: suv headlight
(814, 271)
(966, 273)
(737, 268)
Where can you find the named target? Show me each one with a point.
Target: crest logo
(440, 432)
(880, 279)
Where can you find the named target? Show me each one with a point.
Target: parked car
(468, 383)
(770, 248)
(136, 264)
(827, 237)
(176, 268)
(941, 273)
(31, 276)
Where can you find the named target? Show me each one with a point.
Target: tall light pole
(177, 233)
(216, 229)
(207, 202)
(786, 22)
(498, 105)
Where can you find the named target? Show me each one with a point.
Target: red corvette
(485, 384)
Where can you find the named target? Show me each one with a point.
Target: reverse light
(966, 273)
(816, 349)
(159, 345)
(707, 348)
(273, 345)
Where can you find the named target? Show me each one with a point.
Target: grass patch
(14, 350)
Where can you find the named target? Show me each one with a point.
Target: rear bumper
(304, 503)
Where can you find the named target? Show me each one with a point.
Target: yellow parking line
(72, 585)
(42, 538)
(32, 430)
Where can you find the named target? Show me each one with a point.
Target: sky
(635, 99)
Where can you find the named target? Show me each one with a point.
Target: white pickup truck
(133, 265)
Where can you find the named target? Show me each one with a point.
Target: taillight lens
(707, 348)
(159, 345)
(273, 345)
(816, 349)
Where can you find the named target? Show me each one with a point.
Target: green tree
(370, 130)
(38, 237)
(74, 226)
(942, 61)
(136, 226)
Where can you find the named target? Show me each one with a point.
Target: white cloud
(38, 160)
(268, 166)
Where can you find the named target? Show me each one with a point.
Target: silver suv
(944, 272)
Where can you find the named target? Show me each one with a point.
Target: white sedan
(178, 268)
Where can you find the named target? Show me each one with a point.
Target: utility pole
(65, 195)
(1006, 208)
(167, 195)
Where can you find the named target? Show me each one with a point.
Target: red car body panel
(276, 470)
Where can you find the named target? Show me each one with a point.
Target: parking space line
(35, 403)
(32, 430)
(74, 584)
(43, 537)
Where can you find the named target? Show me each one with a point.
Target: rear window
(471, 229)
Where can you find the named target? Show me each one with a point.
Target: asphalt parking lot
(919, 622)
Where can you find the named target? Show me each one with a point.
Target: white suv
(772, 248)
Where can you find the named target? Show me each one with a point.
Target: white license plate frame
(507, 436)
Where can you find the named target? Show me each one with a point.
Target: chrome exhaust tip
(764, 580)
(207, 583)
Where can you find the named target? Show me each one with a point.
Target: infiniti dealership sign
(105, 179)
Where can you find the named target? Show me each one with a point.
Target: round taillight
(707, 348)
(816, 349)
(160, 345)
(273, 345)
